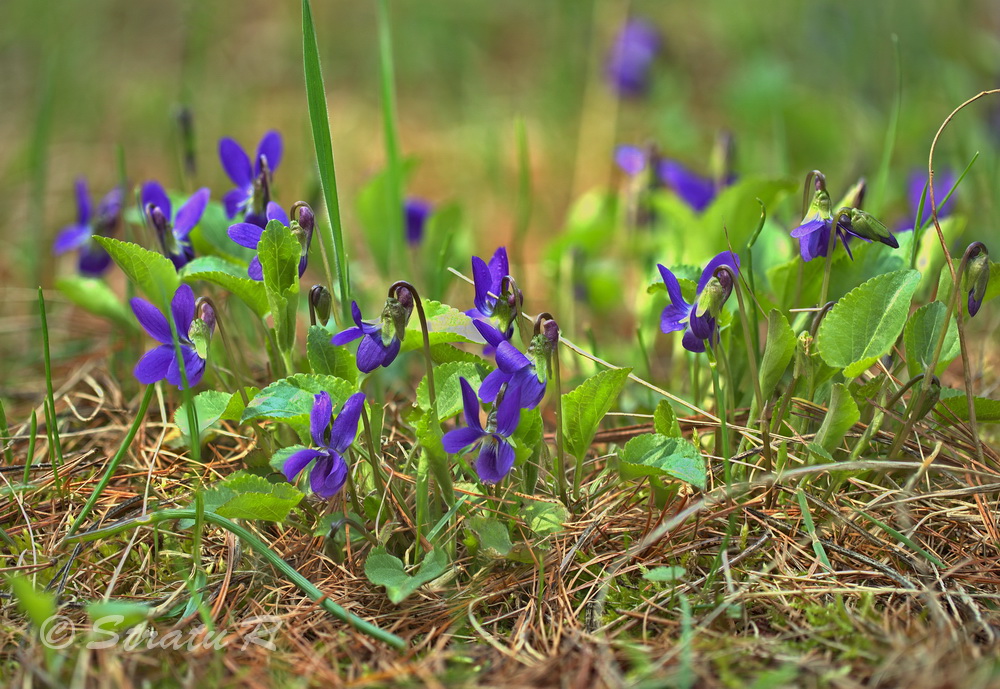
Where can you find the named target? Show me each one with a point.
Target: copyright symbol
(56, 632)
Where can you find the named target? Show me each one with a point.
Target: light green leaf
(210, 405)
(652, 454)
(778, 352)
(329, 359)
(544, 518)
(665, 420)
(664, 574)
(444, 353)
(841, 415)
(279, 253)
(117, 615)
(444, 324)
(584, 407)
(383, 569)
(293, 397)
(448, 387)
(247, 496)
(96, 297)
(213, 264)
(151, 272)
(921, 335)
(39, 605)
(494, 541)
(987, 410)
(863, 325)
(528, 435)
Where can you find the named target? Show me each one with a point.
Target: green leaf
(211, 235)
(327, 358)
(921, 335)
(378, 209)
(665, 420)
(584, 407)
(117, 615)
(279, 253)
(528, 435)
(987, 410)
(448, 387)
(543, 517)
(444, 353)
(652, 454)
(151, 272)
(247, 496)
(993, 286)
(664, 574)
(383, 569)
(293, 396)
(842, 414)
(863, 325)
(494, 541)
(39, 605)
(230, 277)
(444, 324)
(210, 405)
(778, 352)
(94, 296)
(213, 264)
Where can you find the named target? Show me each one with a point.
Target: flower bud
(321, 302)
(416, 211)
(395, 315)
(977, 278)
(302, 226)
(866, 226)
(202, 327)
(715, 294)
(541, 347)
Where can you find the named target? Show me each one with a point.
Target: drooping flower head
(697, 320)
(248, 234)
(193, 334)
(253, 182)
(417, 212)
(94, 260)
(171, 230)
(381, 339)
(493, 304)
(331, 438)
(525, 375)
(977, 276)
(696, 191)
(916, 186)
(496, 454)
(631, 57)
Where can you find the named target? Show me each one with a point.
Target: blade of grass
(32, 438)
(330, 234)
(7, 440)
(807, 521)
(387, 77)
(52, 426)
(905, 540)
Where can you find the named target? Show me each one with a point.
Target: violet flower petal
(235, 162)
(319, 418)
(151, 319)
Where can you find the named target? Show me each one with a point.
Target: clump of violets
(524, 375)
(416, 211)
(381, 339)
(331, 437)
(493, 303)
(173, 230)
(698, 319)
(252, 180)
(194, 335)
(248, 234)
(818, 222)
(696, 191)
(94, 260)
(631, 57)
(496, 454)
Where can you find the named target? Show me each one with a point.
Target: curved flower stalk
(331, 438)
(631, 57)
(173, 230)
(194, 334)
(381, 339)
(496, 454)
(697, 320)
(253, 182)
(248, 234)
(94, 260)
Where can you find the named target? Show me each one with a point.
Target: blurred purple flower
(496, 454)
(329, 473)
(94, 260)
(417, 211)
(696, 191)
(161, 362)
(253, 182)
(916, 189)
(248, 235)
(631, 56)
(173, 231)
(680, 315)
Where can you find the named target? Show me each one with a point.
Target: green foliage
(96, 297)
(652, 454)
(492, 538)
(921, 334)
(444, 325)
(841, 415)
(231, 277)
(543, 517)
(118, 615)
(212, 406)
(247, 496)
(380, 210)
(863, 325)
(328, 359)
(292, 397)
(584, 407)
(151, 272)
(987, 410)
(665, 420)
(39, 605)
(448, 387)
(778, 352)
(279, 253)
(664, 574)
(383, 569)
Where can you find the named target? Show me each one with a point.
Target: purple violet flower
(417, 212)
(496, 454)
(631, 56)
(329, 473)
(524, 376)
(94, 260)
(488, 279)
(161, 362)
(696, 191)
(253, 183)
(248, 235)
(680, 315)
(173, 231)
(380, 340)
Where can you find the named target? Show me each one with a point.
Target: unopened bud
(931, 398)
(321, 302)
(868, 227)
(715, 294)
(395, 316)
(202, 327)
(977, 278)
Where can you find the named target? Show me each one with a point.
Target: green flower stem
(8, 451)
(825, 291)
(51, 422)
(387, 78)
(88, 507)
(260, 548)
(720, 402)
(32, 435)
(560, 458)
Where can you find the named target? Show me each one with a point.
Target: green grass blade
(387, 77)
(51, 422)
(331, 233)
(905, 540)
(807, 521)
(5, 439)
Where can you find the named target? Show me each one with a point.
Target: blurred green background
(800, 85)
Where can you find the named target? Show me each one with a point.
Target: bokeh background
(800, 85)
